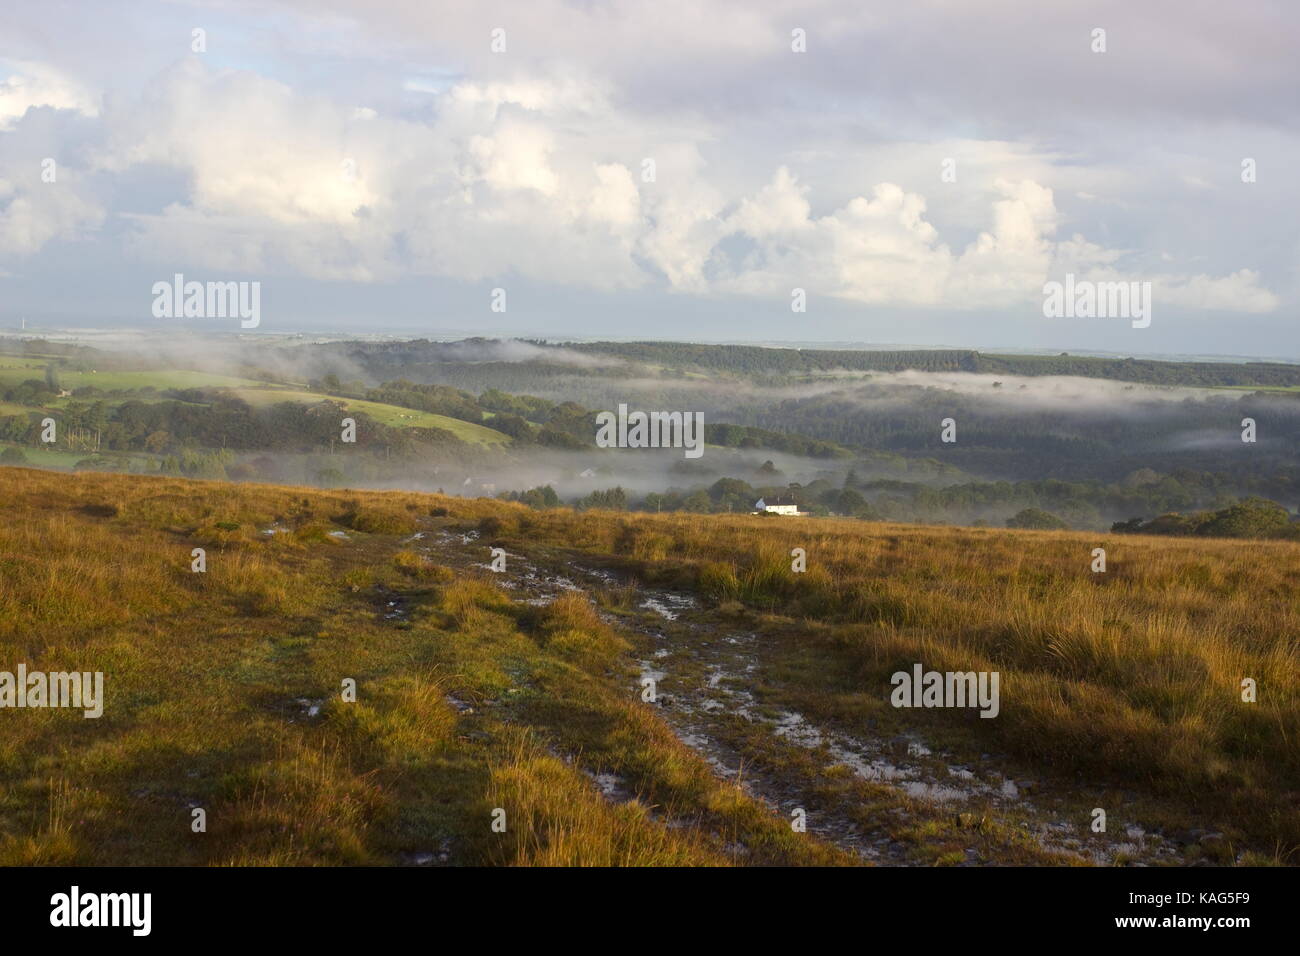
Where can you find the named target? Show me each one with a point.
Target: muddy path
(890, 799)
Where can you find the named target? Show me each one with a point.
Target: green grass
(391, 415)
(42, 456)
(17, 369)
(125, 381)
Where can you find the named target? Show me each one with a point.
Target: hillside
(753, 359)
(116, 386)
(393, 416)
(522, 691)
(16, 368)
(850, 434)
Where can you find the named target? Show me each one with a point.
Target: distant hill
(748, 359)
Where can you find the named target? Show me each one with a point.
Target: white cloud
(32, 84)
(33, 214)
(1238, 292)
(531, 167)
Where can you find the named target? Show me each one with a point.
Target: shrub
(378, 521)
(719, 581)
(1037, 519)
(418, 566)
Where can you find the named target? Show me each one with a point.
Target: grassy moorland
(479, 691)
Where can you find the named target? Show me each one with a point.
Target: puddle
(611, 786)
(667, 605)
(906, 763)
(308, 707)
(427, 857)
(459, 705)
(717, 670)
(608, 578)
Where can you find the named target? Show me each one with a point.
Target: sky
(665, 170)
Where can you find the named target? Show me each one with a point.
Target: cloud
(31, 216)
(32, 85)
(514, 178)
(374, 144)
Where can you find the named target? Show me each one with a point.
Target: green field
(17, 369)
(392, 415)
(45, 457)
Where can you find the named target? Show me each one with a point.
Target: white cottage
(781, 505)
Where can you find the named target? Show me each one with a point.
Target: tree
(1037, 519)
(514, 426)
(540, 497)
(731, 488)
(614, 499)
(698, 501)
(849, 502)
(157, 441)
(1251, 518)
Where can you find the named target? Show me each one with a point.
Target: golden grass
(224, 693)
(1131, 677)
